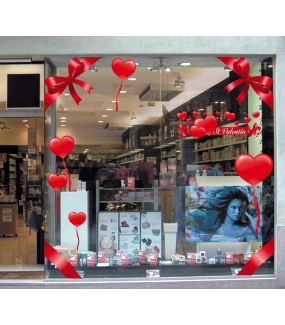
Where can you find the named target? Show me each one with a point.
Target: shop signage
(6, 215)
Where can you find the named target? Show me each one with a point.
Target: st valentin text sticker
(123, 69)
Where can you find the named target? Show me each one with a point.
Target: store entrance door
(21, 198)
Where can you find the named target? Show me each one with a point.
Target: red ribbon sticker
(60, 262)
(260, 84)
(56, 85)
(257, 259)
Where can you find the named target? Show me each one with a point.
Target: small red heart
(229, 116)
(61, 147)
(247, 119)
(197, 132)
(189, 120)
(195, 114)
(257, 133)
(123, 69)
(77, 219)
(218, 113)
(57, 181)
(222, 120)
(236, 123)
(182, 116)
(255, 114)
(244, 113)
(253, 170)
(205, 113)
(209, 124)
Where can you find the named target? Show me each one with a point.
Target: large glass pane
(157, 193)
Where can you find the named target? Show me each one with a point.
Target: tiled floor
(20, 253)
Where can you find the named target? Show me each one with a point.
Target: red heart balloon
(218, 113)
(253, 170)
(61, 147)
(236, 123)
(247, 119)
(222, 120)
(189, 120)
(244, 112)
(229, 116)
(57, 181)
(195, 114)
(77, 219)
(205, 113)
(123, 69)
(182, 116)
(197, 132)
(209, 123)
(255, 114)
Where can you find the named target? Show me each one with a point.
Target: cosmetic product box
(198, 260)
(190, 258)
(212, 260)
(153, 259)
(238, 258)
(202, 253)
(163, 167)
(230, 258)
(101, 257)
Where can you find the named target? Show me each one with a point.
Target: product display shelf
(130, 161)
(125, 154)
(33, 197)
(152, 198)
(220, 146)
(164, 270)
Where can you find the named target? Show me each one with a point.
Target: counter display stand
(8, 219)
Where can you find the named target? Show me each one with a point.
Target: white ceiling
(82, 121)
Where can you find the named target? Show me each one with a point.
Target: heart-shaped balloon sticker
(236, 123)
(247, 119)
(61, 147)
(209, 124)
(229, 116)
(205, 113)
(255, 114)
(222, 120)
(197, 132)
(189, 120)
(195, 114)
(218, 113)
(254, 171)
(182, 116)
(57, 182)
(244, 113)
(123, 69)
(77, 219)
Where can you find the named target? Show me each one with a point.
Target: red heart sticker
(229, 116)
(209, 124)
(205, 113)
(222, 120)
(61, 147)
(218, 113)
(253, 170)
(189, 120)
(247, 119)
(182, 116)
(195, 114)
(255, 114)
(197, 132)
(236, 123)
(57, 181)
(77, 219)
(244, 112)
(123, 69)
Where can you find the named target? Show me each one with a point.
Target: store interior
(143, 130)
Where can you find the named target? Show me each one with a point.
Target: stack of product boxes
(167, 175)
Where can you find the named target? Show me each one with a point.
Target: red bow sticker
(260, 84)
(56, 85)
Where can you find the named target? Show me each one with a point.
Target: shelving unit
(33, 197)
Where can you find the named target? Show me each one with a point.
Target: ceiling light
(100, 121)
(63, 118)
(270, 66)
(93, 69)
(109, 109)
(26, 125)
(62, 125)
(160, 66)
(104, 115)
(25, 121)
(137, 63)
(179, 82)
(16, 60)
(185, 64)
(123, 91)
(148, 68)
(65, 109)
(132, 78)
(113, 101)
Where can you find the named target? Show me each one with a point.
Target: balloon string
(118, 96)
(77, 238)
(56, 204)
(69, 183)
(258, 214)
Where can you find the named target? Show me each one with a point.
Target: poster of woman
(228, 213)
